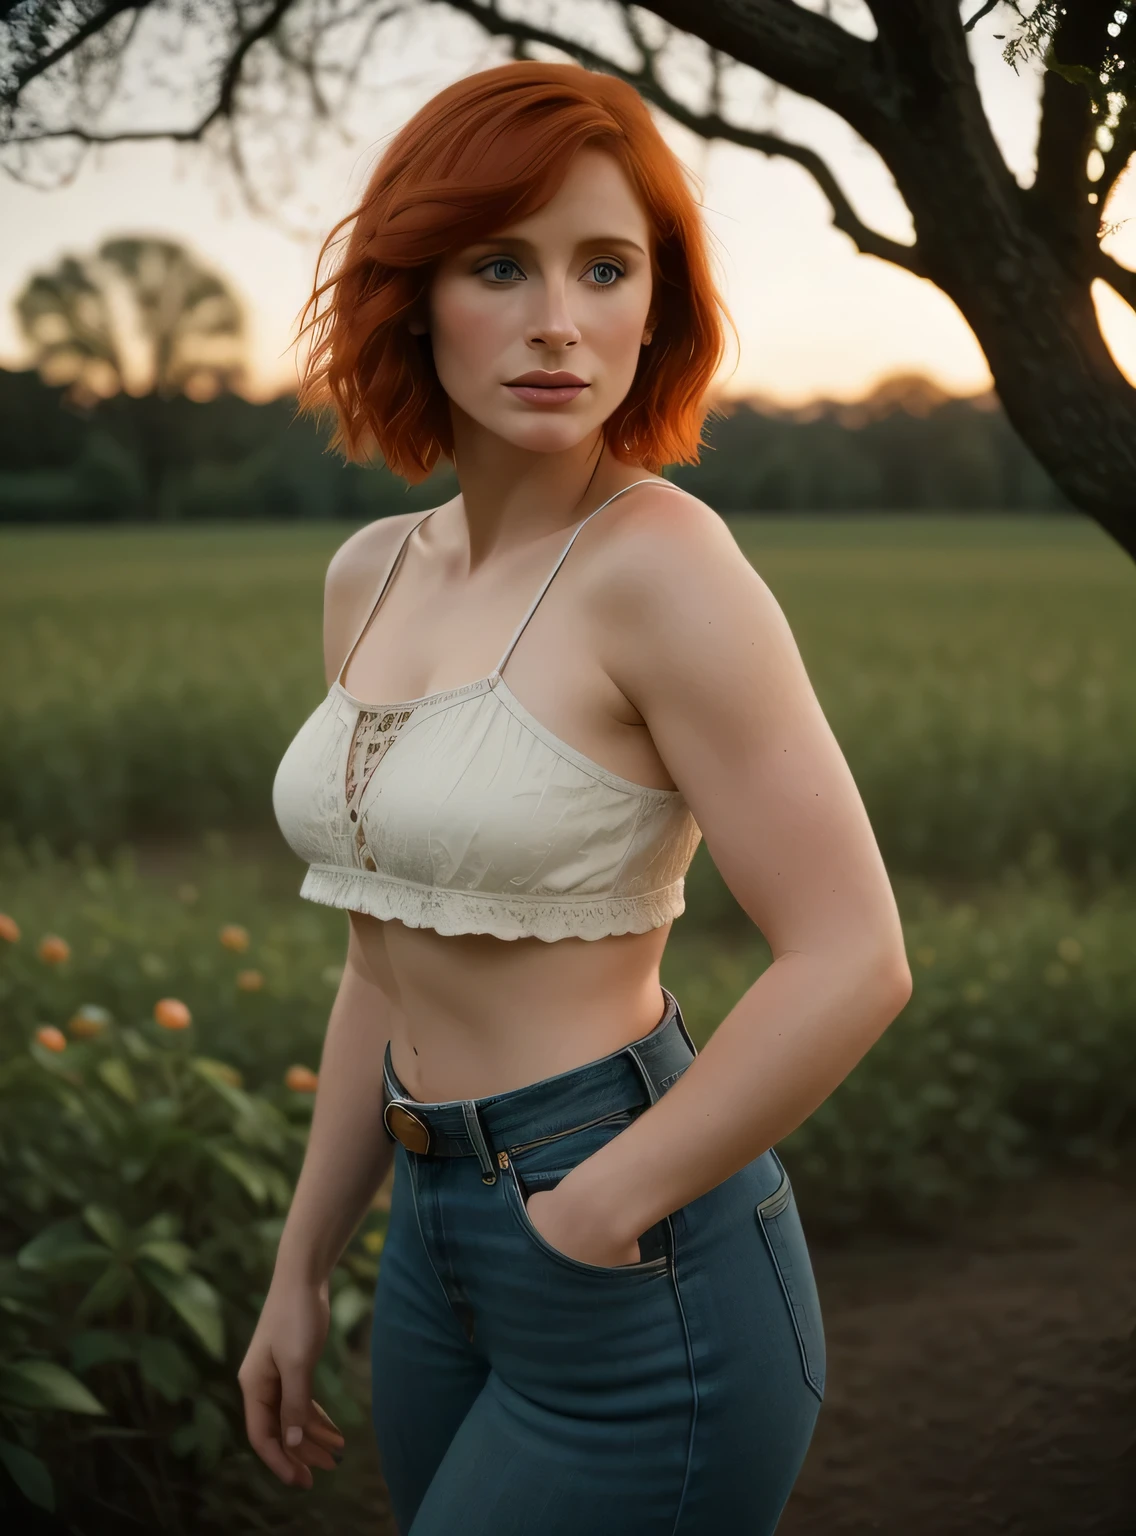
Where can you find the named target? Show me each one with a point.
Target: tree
(141, 318)
(1019, 262)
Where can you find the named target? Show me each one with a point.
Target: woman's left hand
(569, 1231)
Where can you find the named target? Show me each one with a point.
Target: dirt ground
(986, 1382)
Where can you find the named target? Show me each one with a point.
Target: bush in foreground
(144, 1188)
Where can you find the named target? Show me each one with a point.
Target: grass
(979, 674)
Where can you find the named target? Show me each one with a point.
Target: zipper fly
(542, 1140)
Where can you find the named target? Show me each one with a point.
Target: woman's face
(566, 290)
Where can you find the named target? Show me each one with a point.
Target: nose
(553, 325)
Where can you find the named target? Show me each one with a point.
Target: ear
(417, 327)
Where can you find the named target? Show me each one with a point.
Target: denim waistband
(634, 1075)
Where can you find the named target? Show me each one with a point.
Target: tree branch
(96, 22)
(968, 26)
(799, 49)
(1121, 279)
(1059, 194)
(222, 106)
(227, 86)
(868, 242)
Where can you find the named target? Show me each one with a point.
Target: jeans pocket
(542, 1166)
(517, 1194)
(780, 1224)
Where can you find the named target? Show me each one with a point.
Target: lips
(536, 379)
(546, 390)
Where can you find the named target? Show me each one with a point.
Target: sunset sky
(814, 317)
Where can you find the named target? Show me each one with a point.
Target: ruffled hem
(455, 912)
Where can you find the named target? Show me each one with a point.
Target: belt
(636, 1075)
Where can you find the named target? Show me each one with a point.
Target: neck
(513, 497)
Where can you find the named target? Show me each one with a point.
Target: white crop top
(461, 812)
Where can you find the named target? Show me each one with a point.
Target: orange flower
(249, 981)
(88, 1021)
(301, 1080)
(171, 1013)
(50, 1038)
(53, 950)
(9, 928)
(234, 937)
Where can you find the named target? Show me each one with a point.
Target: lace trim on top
(454, 912)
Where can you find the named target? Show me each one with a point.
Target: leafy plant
(143, 1191)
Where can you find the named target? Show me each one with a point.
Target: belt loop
(632, 1051)
(649, 1081)
(477, 1136)
(675, 1012)
(681, 1022)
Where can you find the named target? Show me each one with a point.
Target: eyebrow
(527, 245)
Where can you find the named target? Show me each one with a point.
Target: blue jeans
(518, 1391)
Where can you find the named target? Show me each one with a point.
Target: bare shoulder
(357, 558)
(661, 517)
(351, 584)
(664, 546)
(699, 645)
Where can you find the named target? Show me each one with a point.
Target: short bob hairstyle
(481, 154)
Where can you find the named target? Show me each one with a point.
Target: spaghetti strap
(382, 592)
(536, 601)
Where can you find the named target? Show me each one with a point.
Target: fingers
(309, 1436)
(325, 1421)
(262, 1422)
(295, 1400)
(322, 1445)
(312, 1454)
(326, 1439)
(286, 1428)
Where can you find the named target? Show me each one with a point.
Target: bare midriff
(472, 1015)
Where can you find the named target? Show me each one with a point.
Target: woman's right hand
(287, 1429)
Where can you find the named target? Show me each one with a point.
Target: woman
(595, 1310)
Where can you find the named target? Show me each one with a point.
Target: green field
(980, 675)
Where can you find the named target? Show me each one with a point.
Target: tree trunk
(1037, 325)
(1017, 262)
(1025, 294)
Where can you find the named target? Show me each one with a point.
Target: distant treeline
(145, 459)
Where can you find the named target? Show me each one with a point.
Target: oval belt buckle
(406, 1127)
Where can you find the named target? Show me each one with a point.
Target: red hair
(482, 154)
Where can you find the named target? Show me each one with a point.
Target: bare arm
(346, 1160)
(348, 1153)
(722, 688)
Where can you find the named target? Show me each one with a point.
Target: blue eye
(494, 267)
(502, 261)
